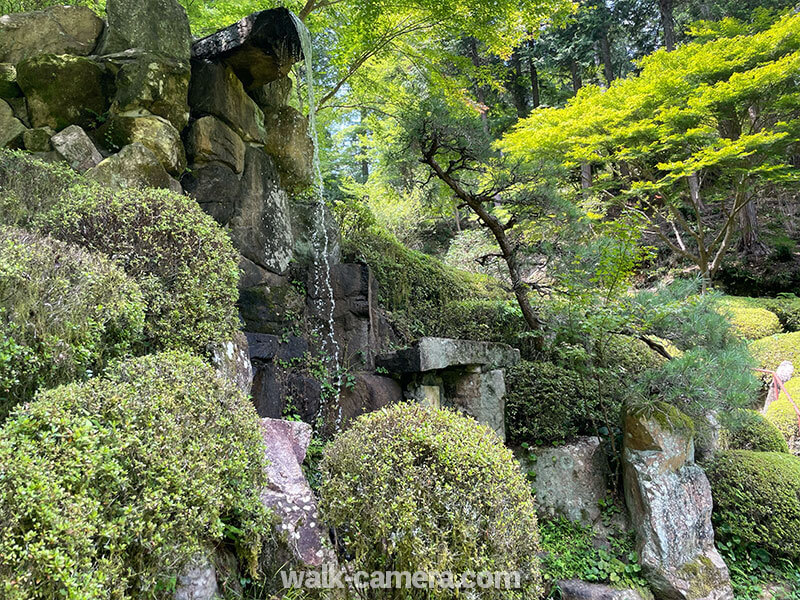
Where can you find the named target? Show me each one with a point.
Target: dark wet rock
(54, 30)
(288, 142)
(38, 139)
(367, 392)
(215, 90)
(260, 48)
(209, 140)
(8, 81)
(271, 308)
(669, 500)
(76, 148)
(157, 26)
(63, 90)
(215, 187)
(273, 95)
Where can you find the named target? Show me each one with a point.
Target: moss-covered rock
(771, 351)
(11, 128)
(63, 90)
(154, 133)
(183, 261)
(8, 81)
(64, 313)
(750, 430)
(438, 492)
(757, 499)
(112, 486)
(135, 166)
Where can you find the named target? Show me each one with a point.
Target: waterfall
(320, 240)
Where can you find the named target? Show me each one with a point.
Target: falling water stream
(325, 301)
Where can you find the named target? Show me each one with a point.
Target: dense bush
(108, 488)
(757, 499)
(749, 430)
(29, 186)
(483, 320)
(752, 323)
(414, 285)
(772, 351)
(787, 308)
(183, 261)
(63, 314)
(413, 488)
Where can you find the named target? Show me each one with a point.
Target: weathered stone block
(270, 309)
(157, 26)
(75, 147)
(232, 361)
(669, 500)
(63, 90)
(150, 84)
(55, 30)
(38, 139)
(216, 188)
(260, 48)
(210, 140)
(132, 167)
(11, 128)
(288, 142)
(154, 133)
(215, 90)
(367, 393)
(273, 95)
(430, 354)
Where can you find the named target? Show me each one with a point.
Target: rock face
(75, 147)
(55, 30)
(571, 480)
(63, 90)
(157, 26)
(154, 133)
(287, 492)
(132, 167)
(461, 374)
(210, 140)
(574, 589)
(260, 48)
(669, 499)
(11, 128)
(198, 582)
(232, 361)
(287, 141)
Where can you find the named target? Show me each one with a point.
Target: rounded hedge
(64, 313)
(786, 308)
(757, 499)
(413, 488)
(109, 488)
(771, 351)
(183, 261)
(753, 323)
(749, 430)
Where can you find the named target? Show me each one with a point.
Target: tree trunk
(535, 95)
(667, 24)
(517, 89)
(749, 242)
(605, 57)
(479, 94)
(575, 74)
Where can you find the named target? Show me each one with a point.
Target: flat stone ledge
(260, 48)
(435, 354)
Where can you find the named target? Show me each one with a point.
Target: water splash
(320, 239)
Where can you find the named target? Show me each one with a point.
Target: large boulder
(232, 361)
(431, 353)
(55, 30)
(669, 499)
(134, 166)
(75, 147)
(215, 90)
(63, 90)
(288, 142)
(210, 140)
(157, 26)
(570, 480)
(215, 187)
(260, 48)
(11, 128)
(367, 392)
(154, 133)
(574, 589)
(287, 492)
(146, 83)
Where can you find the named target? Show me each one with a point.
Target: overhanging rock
(434, 354)
(260, 48)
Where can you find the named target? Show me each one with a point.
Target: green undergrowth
(570, 553)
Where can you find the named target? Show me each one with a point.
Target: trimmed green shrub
(772, 351)
(749, 430)
(413, 488)
(182, 259)
(753, 323)
(64, 312)
(108, 488)
(412, 284)
(29, 186)
(786, 308)
(757, 499)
